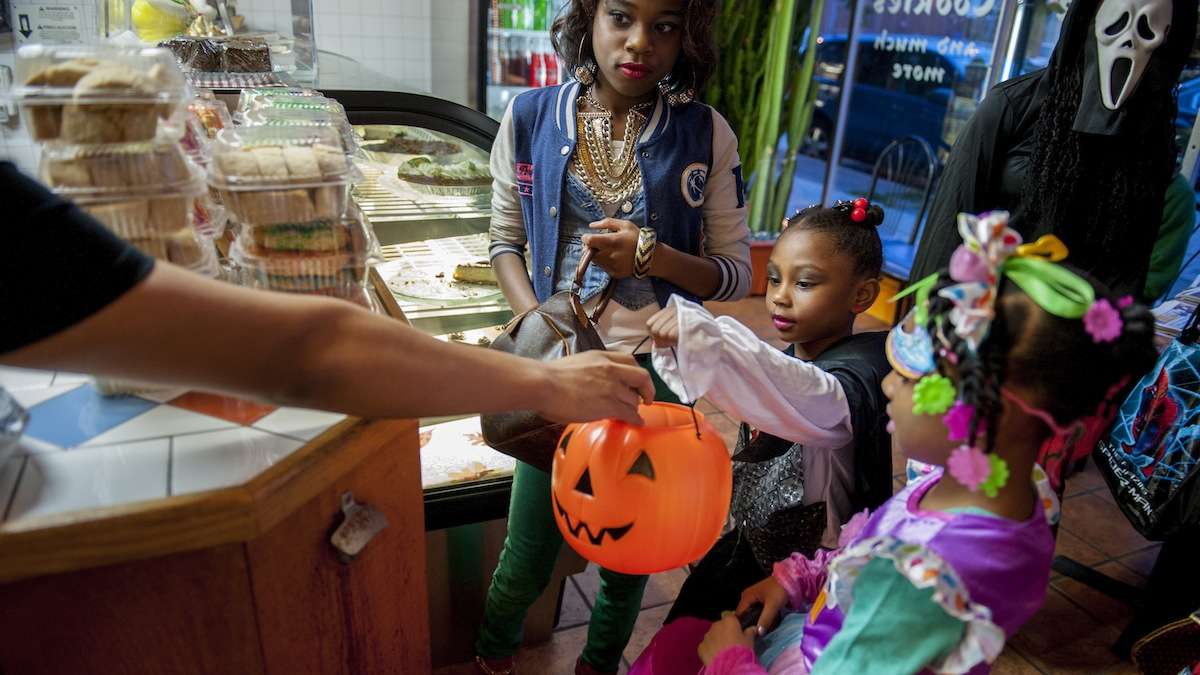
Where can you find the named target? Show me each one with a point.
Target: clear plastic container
(273, 175)
(337, 269)
(250, 98)
(306, 118)
(135, 215)
(340, 274)
(226, 55)
(248, 105)
(156, 167)
(213, 115)
(96, 94)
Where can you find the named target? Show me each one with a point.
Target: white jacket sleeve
(752, 381)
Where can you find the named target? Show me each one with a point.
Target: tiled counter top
(99, 480)
(82, 450)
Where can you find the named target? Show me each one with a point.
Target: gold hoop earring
(676, 99)
(585, 73)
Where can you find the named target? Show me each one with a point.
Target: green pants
(527, 560)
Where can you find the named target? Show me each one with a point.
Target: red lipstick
(634, 71)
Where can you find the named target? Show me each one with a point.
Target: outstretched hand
(596, 385)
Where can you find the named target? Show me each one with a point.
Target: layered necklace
(611, 179)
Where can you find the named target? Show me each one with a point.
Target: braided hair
(1068, 373)
(857, 239)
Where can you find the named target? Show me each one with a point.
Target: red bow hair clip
(859, 212)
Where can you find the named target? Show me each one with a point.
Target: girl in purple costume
(1001, 354)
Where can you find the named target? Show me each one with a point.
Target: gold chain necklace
(610, 179)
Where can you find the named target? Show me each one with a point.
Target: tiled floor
(1071, 634)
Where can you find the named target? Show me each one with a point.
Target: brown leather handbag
(556, 328)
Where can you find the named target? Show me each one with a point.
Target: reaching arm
(177, 327)
(726, 362)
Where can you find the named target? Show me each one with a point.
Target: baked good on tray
(408, 143)
(477, 272)
(465, 178)
(247, 55)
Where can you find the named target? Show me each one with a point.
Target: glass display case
(425, 194)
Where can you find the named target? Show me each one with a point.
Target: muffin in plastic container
(96, 94)
(143, 214)
(276, 175)
(88, 169)
(309, 118)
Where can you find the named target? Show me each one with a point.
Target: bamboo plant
(763, 79)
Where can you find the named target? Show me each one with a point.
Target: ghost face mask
(1127, 32)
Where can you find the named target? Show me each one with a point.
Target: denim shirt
(579, 210)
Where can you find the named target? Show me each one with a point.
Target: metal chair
(902, 182)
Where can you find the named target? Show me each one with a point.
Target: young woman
(623, 161)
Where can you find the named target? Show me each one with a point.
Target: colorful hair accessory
(966, 265)
(1103, 321)
(933, 395)
(969, 466)
(997, 477)
(1047, 246)
(1056, 289)
(856, 208)
(910, 351)
(958, 420)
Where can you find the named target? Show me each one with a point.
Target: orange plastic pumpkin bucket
(641, 500)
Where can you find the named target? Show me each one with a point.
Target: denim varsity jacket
(693, 209)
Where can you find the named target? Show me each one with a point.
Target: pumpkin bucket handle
(691, 406)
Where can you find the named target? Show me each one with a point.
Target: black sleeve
(58, 265)
(963, 184)
(859, 364)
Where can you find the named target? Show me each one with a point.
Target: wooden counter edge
(103, 536)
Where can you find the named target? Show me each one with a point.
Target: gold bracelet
(644, 255)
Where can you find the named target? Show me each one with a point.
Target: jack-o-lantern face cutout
(641, 500)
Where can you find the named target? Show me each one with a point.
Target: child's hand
(725, 633)
(615, 248)
(771, 595)
(664, 327)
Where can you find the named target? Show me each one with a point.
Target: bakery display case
(426, 193)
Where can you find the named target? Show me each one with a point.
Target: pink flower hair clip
(1103, 321)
